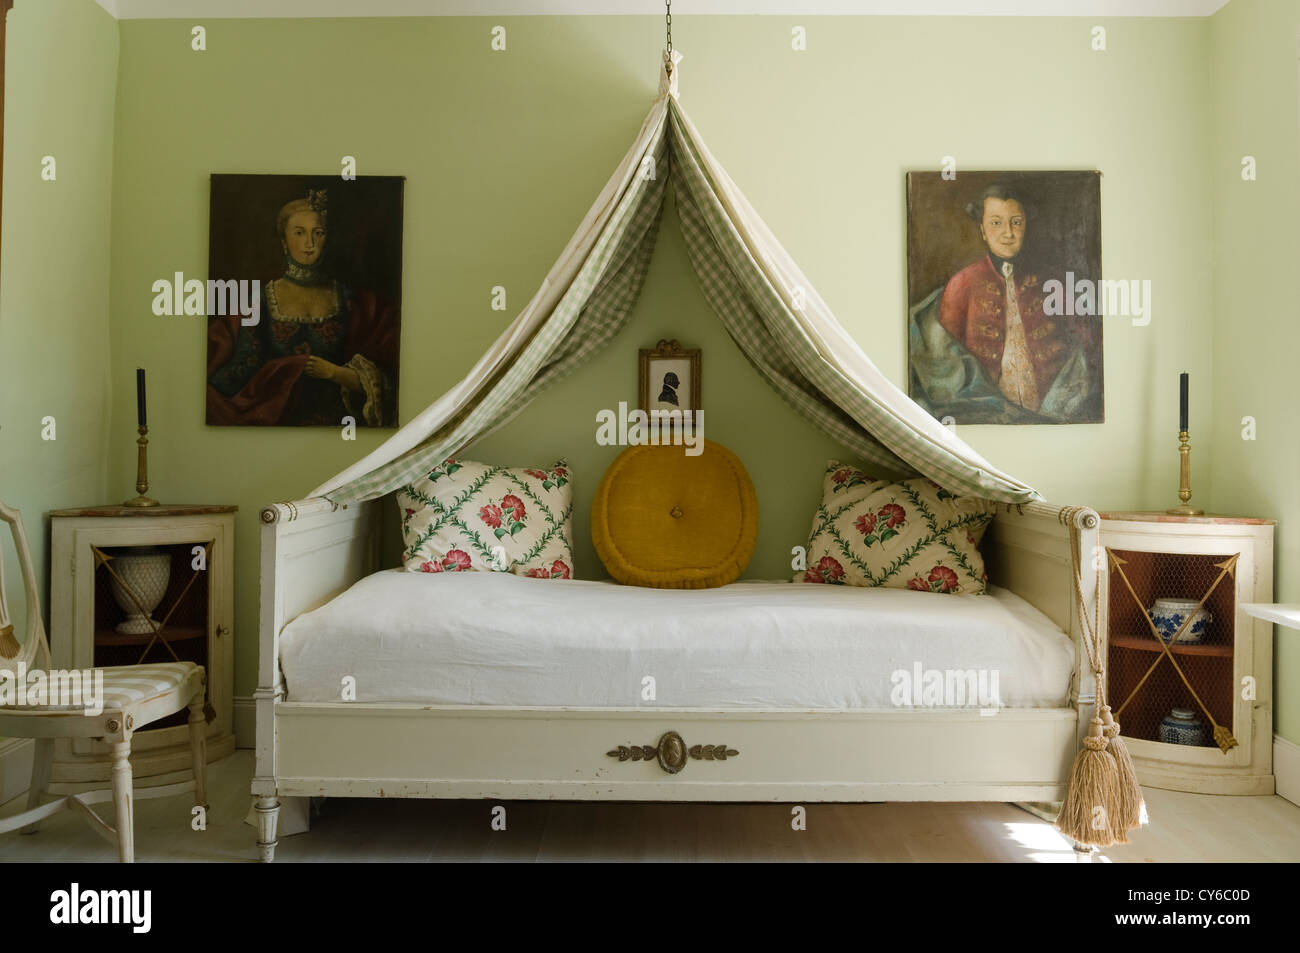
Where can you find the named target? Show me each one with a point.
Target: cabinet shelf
(113, 638)
(1148, 644)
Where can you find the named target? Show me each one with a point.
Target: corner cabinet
(1190, 674)
(133, 585)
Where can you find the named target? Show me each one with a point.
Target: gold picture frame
(670, 369)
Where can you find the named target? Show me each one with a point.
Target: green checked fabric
(750, 282)
(591, 312)
(773, 349)
(759, 320)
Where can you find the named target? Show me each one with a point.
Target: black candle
(1182, 403)
(139, 395)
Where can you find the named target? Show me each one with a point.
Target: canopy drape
(767, 305)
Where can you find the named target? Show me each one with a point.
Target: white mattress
(500, 639)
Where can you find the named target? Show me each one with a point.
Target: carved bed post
(1086, 523)
(269, 686)
(311, 551)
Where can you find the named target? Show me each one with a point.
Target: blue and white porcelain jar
(1168, 616)
(1180, 727)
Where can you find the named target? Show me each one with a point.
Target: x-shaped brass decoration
(104, 559)
(1222, 736)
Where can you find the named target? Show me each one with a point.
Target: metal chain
(668, 21)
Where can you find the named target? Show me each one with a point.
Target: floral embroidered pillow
(909, 535)
(472, 517)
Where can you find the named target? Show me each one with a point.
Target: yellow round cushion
(666, 520)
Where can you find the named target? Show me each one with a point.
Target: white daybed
(313, 552)
(496, 638)
(315, 549)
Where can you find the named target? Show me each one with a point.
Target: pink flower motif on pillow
(557, 477)
(514, 504)
(866, 523)
(558, 570)
(918, 584)
(490, 514)
(828, 571)
(893, 515)
(457, 560)
(943, 579)
(846, 478)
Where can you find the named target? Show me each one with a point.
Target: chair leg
(122, 802)
(199, 750)
(41, 762)
(268, 814)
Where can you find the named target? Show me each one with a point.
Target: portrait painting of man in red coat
(322, 349)
(991, 338)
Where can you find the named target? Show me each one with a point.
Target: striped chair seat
(127, 686)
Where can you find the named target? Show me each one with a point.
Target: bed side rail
(1028, 552)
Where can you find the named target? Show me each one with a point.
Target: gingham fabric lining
(796, 346)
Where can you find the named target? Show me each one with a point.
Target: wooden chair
(133, 696)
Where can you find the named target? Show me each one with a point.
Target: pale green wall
(504, 152)
(1256, 109)
(61, 67)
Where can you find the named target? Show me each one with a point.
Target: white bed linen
(501, 639)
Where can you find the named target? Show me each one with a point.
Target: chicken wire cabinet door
(1189, 673)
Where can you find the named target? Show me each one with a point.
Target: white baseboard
(1286, 768)
(244, 718)
(15, 766)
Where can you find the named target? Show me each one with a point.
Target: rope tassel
(1091, 811)
(1103, 800)
(1131, 810)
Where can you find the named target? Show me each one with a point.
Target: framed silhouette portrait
(670, 377)
(321, 259)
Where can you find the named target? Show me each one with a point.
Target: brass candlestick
(142, 472)
(1185, 478)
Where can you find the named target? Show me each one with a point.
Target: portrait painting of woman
(324, 349)
(985, 344)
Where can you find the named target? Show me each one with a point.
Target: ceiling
(219, 9)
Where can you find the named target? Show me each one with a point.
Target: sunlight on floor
(1044, 843)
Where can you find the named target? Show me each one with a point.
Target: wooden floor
(1184, 827)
